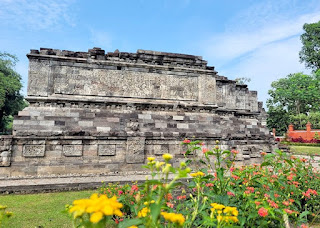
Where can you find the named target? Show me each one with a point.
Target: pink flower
(134, 188)
(286, 203)
(230, 194)
(205, 150)
(231, 169)
(263, 212)
(186, 141)
(209, 184)
(170, 204)
(235, 152)
(263, 153)
(120, 192)
(257, 203)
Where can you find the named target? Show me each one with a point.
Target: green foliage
(292, 98)
(310, 52)
(242, 80)
(299, 121)
(282, 189)
(278, 118)
(11, 101)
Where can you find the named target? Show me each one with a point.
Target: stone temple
(105, 113)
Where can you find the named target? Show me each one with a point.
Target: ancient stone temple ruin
(105, 113)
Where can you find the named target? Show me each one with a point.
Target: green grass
(45, 210)
(305, 150)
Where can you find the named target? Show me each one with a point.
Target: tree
(293, 95)
(11, 101)
(310, 52)
(242, 81)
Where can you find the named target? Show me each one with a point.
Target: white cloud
(36, 15)
(230, 45)
(262, 43)
(267, 64)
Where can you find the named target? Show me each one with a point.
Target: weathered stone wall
(92, 113)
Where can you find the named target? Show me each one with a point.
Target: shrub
(281, 189)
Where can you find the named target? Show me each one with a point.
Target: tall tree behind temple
(11, 101)
(293, 95)
(310, 52)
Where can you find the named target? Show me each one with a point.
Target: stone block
(182, 125)
(72, 150)
(103, 129)
(33, 150)
(85, 123)
(106, 150)
(135, 150)
(178, 117)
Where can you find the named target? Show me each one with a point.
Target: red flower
(257, 203)
(276, 195)
(263, 212)
(186, 141)
(263, 153)
(181, 197)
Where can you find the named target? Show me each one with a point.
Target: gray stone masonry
(93, 113)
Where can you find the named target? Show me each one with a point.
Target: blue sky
(259, 39)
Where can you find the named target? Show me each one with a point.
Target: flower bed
(281, 190)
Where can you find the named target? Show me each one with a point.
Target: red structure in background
(307, 134)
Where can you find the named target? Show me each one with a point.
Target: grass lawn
(305, 150)
(41, 210)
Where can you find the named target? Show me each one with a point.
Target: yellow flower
(159, 164)
(166, 169)
(147, 203)
(217, 206)
(167, 157)
(151, 159)
(174, 218)
(97, 206)
(197, 174)
(143, 212)
(132, 227)
(219, 218)
(96, 217)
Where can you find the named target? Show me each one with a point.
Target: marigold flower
(263, 212)
(143, 212)
(167, 157)
(197, 174)
(217, 206)
(151, 159)
(97, 206)
(132, 227)
(174, 218)
(96, 217)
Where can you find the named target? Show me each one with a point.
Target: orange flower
(263, 212)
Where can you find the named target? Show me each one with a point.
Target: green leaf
(131, 222)
(155, 212)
